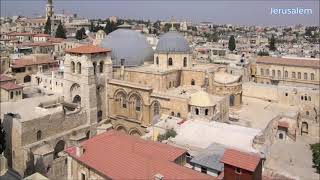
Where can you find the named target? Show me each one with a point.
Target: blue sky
(217, 11)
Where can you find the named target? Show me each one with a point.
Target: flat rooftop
(257, 113)
(28, 108)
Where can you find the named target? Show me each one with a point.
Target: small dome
(201, 99)
(172, 41)
(226, 78)
(129, 45)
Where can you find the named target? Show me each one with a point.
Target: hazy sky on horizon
(217, 11)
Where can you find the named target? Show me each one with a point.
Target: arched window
(273, 73)
(305, 98)
(170, 62)
(138, 104)
(156, 108)
(261, 72)
(73, 70)
(101, 67)
(185, 62)
(123, 101)
(206, 112)
(172, 113)
(280, 136)
(305, 76)
(286, 74)
(178, 115)
(309, 98)
(293, 75)
(197, 111)
(312, 76)
(157, 60)
(267, 72)
(99, 115)
(170, 84)
(39, 134)
(11, 95)
(299, 75)
(94, 67)
(193, 82)
(79, 68)
(279, 74)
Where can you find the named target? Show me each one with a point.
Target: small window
(261, 72)
(299, 75)
(305, 76)
(279, 74)
(305, 98)
(39, 134)
(172, 113)
(138, 104)
(238, 170)
(203, 170)
(193, 82)
(11, 95)
(170, 62)
(197, 111)
(301, 97)
(206, 112)
(286, 94)
(312, 76)
(157, 60)
(273, 73)
(185, 62)
(101, 67)
(307, 113)
(293, 75)
(17, 93)
(309, 98)
(286, 74)
(178, 115)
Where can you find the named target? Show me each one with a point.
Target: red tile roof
(21, 34)
(29, 62)
(283, 124)
(41, 35)
(289, 62)
(55, 40)
(10, 86)
(120, 156)
(87, 49)
(240, 159)
(5, 78)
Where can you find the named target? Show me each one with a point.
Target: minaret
(49, 9)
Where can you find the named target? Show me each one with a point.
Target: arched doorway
(77, 99)
(304, 128)
(231, 100)
(27, 79)
(58, 148)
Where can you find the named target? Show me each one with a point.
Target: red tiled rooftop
(240, 159)
(29, 62)
(283, 124)
(10, 86)
(5, 78)
(87, 49)
(120, 156)
(41, 35)
(289, 62)
(21, 34)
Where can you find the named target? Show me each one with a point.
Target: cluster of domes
(131, 47)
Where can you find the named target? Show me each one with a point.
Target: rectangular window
(203, 170)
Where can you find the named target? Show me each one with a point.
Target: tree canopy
(2, 138)
(47, 27)
(315, 148)
(272, 44)
(61, 32)
(232, 43)
(81, 34)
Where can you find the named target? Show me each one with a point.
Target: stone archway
(58, 148)
(76, 99)
(121, 128)
(304, 128)
(135, 132)
(75, 93)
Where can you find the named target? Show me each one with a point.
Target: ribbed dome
(201, 99)
(129, 45)
(172, 41)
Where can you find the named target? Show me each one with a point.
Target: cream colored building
(287, 71)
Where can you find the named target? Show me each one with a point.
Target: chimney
(158, 177)
(79, 150)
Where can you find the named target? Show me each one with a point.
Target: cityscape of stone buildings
(157, 100)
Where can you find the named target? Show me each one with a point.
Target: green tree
(166, 27)
(47, 27)
(81, 34)
(169, 133)
(2, 138)
(61, 32)
(272, 43)
(232, 43)
(315, 148)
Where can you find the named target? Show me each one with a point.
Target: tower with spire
(49, 9)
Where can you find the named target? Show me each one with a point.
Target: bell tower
(49, 9)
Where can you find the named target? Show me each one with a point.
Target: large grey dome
(172, 41)
(129, 45)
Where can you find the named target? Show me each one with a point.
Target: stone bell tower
(49, 9)
(86, 72)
